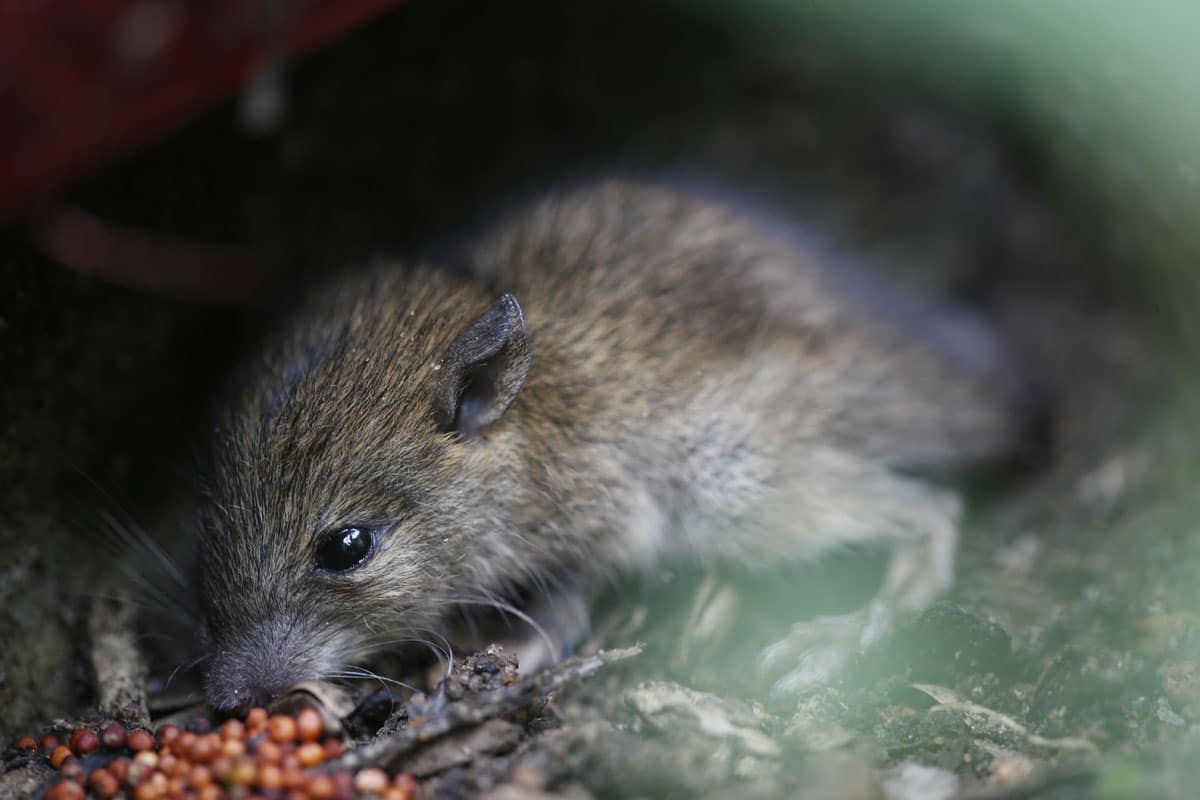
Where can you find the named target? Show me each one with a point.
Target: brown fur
(702, 385)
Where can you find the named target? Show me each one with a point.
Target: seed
(114, 736)
(294, 778)
(167, 734)
(183, 744)
(179, 769)
(146, 790)
(405, 781)
(333, 748)
(394, 793)
(320, 787)
(204, 750)
(72, 769)
(60, 754)
(371, 781)
(139, 741)
(233, 729)
(220, 766)
(243, 772)
(270, 777)
(289, 761)
(282, 728)
(84, 742)
(147, 758)
(309, 725)
(49, 742)
(232, 748)
(256, 718)
(176, 787)
(74, 737)
(160, 782)
(211, 792)
(310, 754)
(136, 774)
(103, 784)
(199, 777)
(119, 767)
(26, 743)
(269, 752)
(65, 790)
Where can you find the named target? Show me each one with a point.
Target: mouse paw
(815, 651)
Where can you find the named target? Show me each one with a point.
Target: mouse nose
(261, 663)
(254, 698)
(238, 680)
(228, 693)
(262, 697)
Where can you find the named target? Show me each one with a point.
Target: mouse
(607, 376)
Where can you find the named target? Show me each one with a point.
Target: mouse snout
(227, 690)
(262, 663)
(240, 679)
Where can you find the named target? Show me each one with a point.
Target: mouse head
(337, 503)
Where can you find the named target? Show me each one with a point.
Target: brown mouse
(624, 372)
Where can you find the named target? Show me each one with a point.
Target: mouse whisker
(163, 601)
(361, 672)
(135, 538)
(509, 608)
(449, 650)
(186, 665)
(444, 653)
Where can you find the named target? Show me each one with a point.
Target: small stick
(117, 662)
(475, 709)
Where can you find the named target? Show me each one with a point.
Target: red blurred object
(202, 273)
(83, 81)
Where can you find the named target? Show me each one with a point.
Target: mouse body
(611, 376)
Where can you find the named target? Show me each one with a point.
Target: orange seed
(60, 754)
(371, 781)
(140, 741)
(309, 726)
(282, 728)
(65, 790)
(310, 754)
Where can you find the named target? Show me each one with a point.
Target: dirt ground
(1065, 663)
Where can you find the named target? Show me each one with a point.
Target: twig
(476, 709)
(117, 662)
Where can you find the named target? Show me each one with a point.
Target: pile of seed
(265, 757)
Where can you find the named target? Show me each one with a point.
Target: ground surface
(1065, 664)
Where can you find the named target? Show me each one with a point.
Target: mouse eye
(344, 549)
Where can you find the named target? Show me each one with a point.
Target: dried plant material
(457, 749)
(983, 720)
(442, 718)
(663, 704)
(117, 662)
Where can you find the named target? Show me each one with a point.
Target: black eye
(345, 548)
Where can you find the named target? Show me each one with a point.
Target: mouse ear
(483, 370)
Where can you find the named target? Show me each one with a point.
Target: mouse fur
(613, 375)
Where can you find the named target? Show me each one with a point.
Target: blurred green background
(1106, 88)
